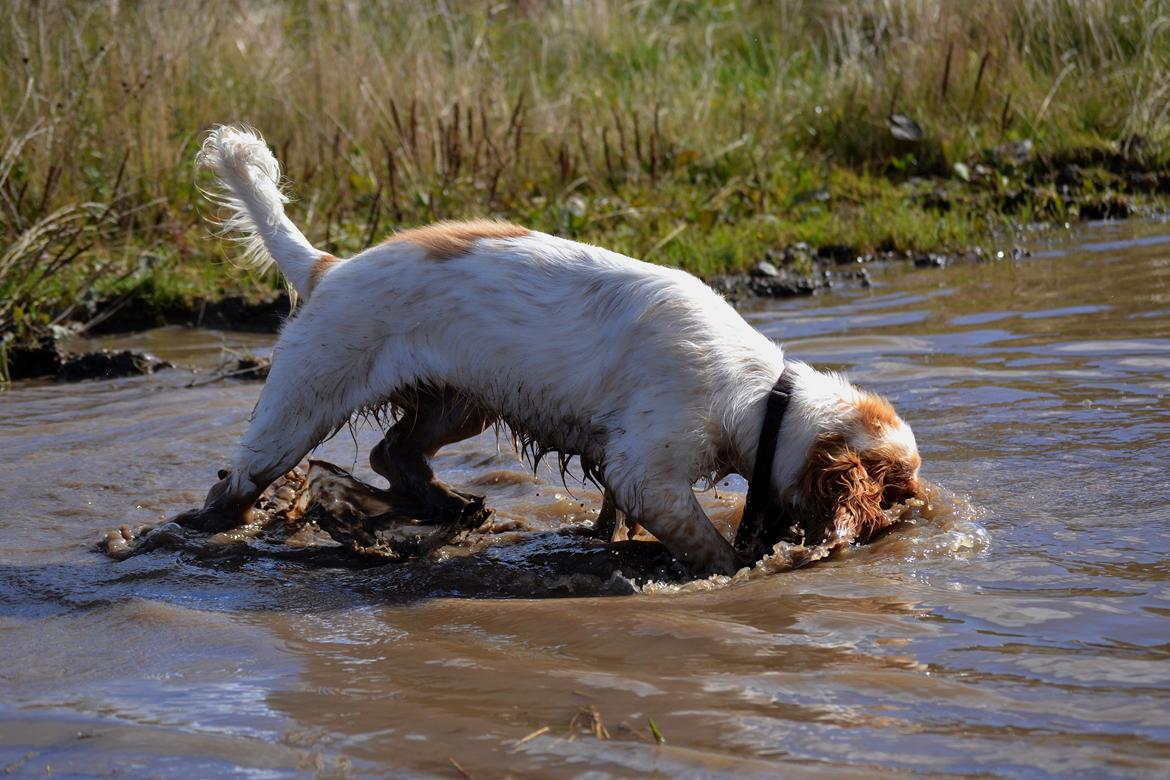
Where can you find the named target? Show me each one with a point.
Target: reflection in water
(1019, 628)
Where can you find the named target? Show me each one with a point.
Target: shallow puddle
(1020, 628)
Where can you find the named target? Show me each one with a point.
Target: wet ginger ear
(857, 496)
(858, 513)
(844, 496)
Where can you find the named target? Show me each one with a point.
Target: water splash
(945, 525)
(942, 525)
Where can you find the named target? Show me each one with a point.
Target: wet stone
(764, 269)
(46, 359)
(904, 128)
(42, 359)
(930, 260)
(108, 364)
(839, 254)
(784, 286)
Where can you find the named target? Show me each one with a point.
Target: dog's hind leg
(306, 397)
(432, 419)
(612, 525)
(606, 524)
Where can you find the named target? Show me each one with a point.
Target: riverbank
(1048, 195)
(708, 136)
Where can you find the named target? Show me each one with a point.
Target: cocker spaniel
(642, 372)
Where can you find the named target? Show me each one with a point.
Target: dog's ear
(842, 491)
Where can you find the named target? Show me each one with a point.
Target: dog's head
(864, 462)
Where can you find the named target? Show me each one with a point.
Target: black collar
(755, 529)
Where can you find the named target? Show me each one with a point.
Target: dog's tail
(249, 190)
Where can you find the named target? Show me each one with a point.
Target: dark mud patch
(305, 509)
(325, 518)
(40, 355)
(34, 360)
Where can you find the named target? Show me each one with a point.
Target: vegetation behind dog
(698, 134)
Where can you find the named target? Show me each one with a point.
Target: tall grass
(686, 131)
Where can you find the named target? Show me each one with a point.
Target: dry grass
(687, 131)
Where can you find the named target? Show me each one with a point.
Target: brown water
(1023, 633)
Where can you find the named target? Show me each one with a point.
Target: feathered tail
(249, 189)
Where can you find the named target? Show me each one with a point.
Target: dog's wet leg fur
(670, 511)
(298, 407)
(431, 420)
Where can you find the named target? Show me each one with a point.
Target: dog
(642, 372)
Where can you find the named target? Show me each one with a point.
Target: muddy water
(1024, 631)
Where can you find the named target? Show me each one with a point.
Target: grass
(698, 134)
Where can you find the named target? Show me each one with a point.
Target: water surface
(1027, 636)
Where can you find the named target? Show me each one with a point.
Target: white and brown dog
(643, 372)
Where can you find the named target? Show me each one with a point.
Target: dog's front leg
(674, 515)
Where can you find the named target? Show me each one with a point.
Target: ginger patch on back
(446, 240)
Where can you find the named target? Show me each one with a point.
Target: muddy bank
(47, 359)
(1011, 185)
(40, 353)
(835, 266)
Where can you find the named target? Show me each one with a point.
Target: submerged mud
(322, 516)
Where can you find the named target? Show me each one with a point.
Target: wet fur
(641, 371)
(844, 492)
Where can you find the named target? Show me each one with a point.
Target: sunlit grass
(693, 133)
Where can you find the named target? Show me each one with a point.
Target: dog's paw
(208, 520)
